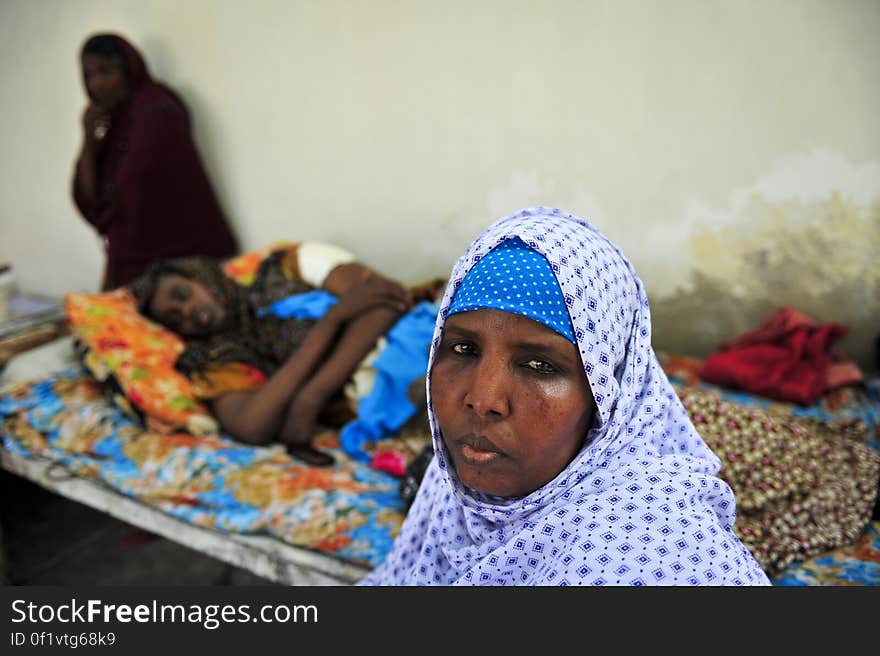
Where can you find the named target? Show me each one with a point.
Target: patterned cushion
(135, 358)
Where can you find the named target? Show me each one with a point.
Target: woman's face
(186, 307)
(105, 81)
(512, 401)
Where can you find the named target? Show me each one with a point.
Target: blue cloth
(403, 360)
(517, 279)
(310, 305)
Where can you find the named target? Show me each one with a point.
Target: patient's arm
(357, 339)
(346, 277)
(256, 416)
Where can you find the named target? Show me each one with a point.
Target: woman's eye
(541, 366)
(180, 293)
(463, 349)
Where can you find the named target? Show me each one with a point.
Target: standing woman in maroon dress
(139, 179)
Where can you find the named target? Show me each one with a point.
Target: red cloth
(789, 358)
(389, 461)
(154, 198)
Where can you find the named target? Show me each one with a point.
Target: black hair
(144, 287)
(105, 47)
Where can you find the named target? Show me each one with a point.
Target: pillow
(135, 358)
(243, 268)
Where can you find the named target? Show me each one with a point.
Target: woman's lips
(204, 318)
(208, 318)
(481, 457)
(478, 449)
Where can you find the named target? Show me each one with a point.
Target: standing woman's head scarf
(639, 504)
(153, 199)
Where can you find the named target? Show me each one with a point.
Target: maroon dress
(154, 199)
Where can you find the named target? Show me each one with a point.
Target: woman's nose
(191, 311)
(96, 88)
(487, 393)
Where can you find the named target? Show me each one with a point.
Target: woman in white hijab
(562, 454)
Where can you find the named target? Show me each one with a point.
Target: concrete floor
(50, 540)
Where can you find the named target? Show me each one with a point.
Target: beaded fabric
(640, 504)
(803, 486)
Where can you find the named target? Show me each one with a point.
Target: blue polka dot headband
(514, 278)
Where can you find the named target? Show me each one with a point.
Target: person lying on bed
(562, 454)
(303, 327)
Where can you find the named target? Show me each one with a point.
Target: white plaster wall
(399, 129)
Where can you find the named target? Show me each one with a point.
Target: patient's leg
(356, 341)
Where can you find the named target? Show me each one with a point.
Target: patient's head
(190, 295)
(185, 306)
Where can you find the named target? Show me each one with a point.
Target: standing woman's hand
(96, 123)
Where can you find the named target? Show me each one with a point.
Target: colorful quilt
(351, 510)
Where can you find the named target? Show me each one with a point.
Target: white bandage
(317, 259)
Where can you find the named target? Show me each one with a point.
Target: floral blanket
(351, 510)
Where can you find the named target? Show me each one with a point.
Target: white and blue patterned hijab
(640, 504)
